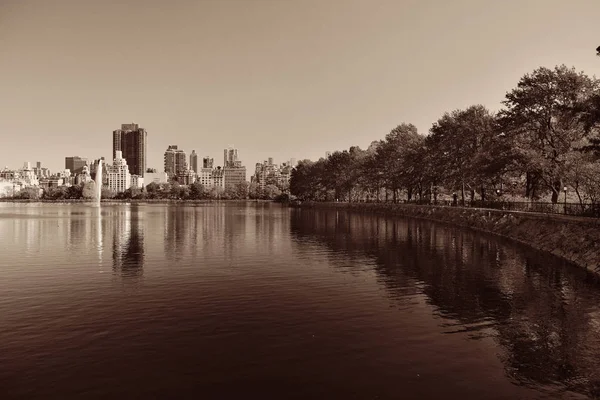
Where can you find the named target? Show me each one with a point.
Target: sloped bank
(574, 239)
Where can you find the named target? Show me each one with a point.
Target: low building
(218, 178)
(205, 177)
(186, 177)
(137, 182)
(155, 177)
(53, 181)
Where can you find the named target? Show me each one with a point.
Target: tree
(196, 191)
(32, 193)
(254, 191)
(89, 190)
(108, 194)
(541, 119)
(271, 192)
(457, 139)
(241, 190)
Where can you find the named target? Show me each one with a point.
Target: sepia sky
(282, 79)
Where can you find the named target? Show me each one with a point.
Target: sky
(282, 79)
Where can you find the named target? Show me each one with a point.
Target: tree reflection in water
(543, 312)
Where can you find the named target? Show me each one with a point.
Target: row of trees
(172, 190)
(544, 139)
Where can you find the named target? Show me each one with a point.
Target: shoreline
(138, 201)
(574, 239)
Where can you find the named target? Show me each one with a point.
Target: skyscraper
(131, 140)
(194, 161)
(233, 171)
(207, 162)
(230, 158)
(75, 164)
(175, 161)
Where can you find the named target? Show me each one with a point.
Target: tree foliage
(533, 147)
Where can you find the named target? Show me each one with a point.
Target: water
(261, 301)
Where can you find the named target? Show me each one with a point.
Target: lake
(256, 300)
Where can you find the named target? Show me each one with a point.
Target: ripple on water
(225, 301)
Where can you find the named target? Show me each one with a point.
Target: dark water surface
(260, 301)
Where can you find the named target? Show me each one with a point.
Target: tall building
(131, 141)
(194, 161)
(175, 161)
(233, 171)
(269, 173)
(207, 162)
(75, 164)
(41, 172)
(118, 176)
(234, 175)
(230, 158)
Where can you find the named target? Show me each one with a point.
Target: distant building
(75, 164)
(118, 176)
(194, 161)
(186, 177)
(234, 175)
(131, 141)
(230, 158)
(233, 171)
(41, 172)
(53, 181)
(269, 173)
(94, 167)
(218, 177)
(27, 176)
(137, 182)
(175, 161)
(156, 177)
(208, 162)
(205, 177)
(83, 177)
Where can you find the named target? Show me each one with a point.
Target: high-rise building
(75, 164)
(194, 161)
(233, 171)
(175, 161)
(207, 162)
(269, 173)
(118, 176)
(230, 158)
(131, 140)
(41, 172)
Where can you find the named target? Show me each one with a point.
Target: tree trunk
(482, 193)
(579, 196)
(462, 191)
(555, 192)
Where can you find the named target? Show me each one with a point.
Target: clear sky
(281, 79)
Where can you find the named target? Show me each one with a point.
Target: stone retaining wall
(575, 239)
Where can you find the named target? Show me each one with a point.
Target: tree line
(171, 190)
(544, 139)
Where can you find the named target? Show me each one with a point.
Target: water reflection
(544, 313)
(128, 242)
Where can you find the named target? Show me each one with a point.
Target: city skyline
(290, 79)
